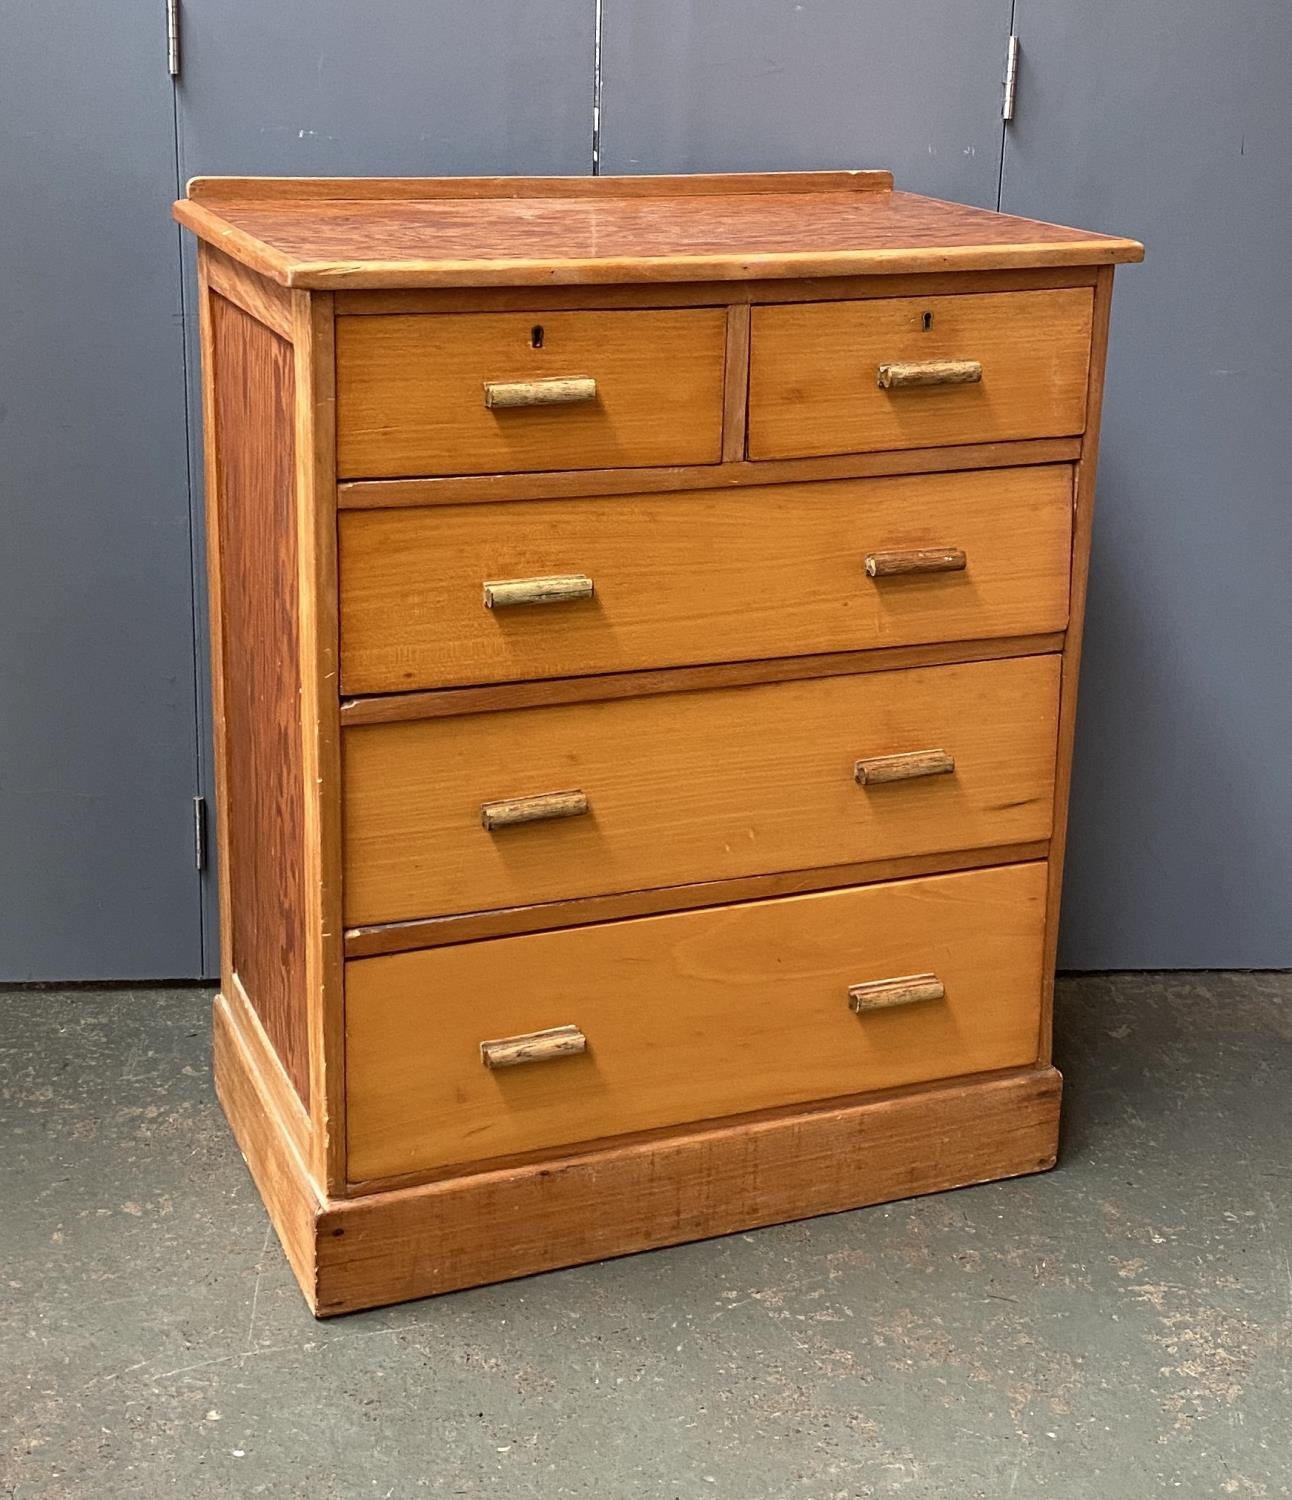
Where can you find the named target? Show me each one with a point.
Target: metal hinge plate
(1011, 79)
(172, 37)
(199, 832)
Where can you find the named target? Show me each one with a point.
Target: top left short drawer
(509, 393)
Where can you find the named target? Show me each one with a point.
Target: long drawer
(685, 1017)
(590, 798)
(704, 576)
(498, 393)
(917, 372)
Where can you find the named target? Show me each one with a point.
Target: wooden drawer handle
(898, 377)
(533, 1046)
(881, 994)
(905, 767)
(915, 560)
(567, 390)
(563, 588)
(513, 810)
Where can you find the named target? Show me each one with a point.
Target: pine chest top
(334, 233)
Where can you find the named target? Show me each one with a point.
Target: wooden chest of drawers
(645, 625)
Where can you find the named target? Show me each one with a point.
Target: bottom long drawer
(691, 1016)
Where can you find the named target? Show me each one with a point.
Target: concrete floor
(1119, 1328)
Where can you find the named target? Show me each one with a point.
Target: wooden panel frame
(433, 932)
(384, 494)
(1083, 519)
(411, 189)
(708, 293)
(313, 323)
(306, 321)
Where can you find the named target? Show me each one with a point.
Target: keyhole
(536, 336)
(926, 321)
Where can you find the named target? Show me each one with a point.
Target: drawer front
(600, 390)
(687, 1017)
(686, 787)
(705, 576)
(815, 372)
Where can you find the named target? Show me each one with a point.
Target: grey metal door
(98, 765)
(732, 85)
(389, 88)
(1173, 124)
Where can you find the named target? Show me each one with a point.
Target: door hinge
(172, 37)
(1011, 79)
(199, 832)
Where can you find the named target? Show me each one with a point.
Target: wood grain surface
(411, 391)
(731, 1176)
(693, 787)
(411, 236)
(699, 576)
(584, 911)
(814, 389)
(263, 784)
(687, 1017)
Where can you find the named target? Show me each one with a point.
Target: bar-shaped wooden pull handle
(565, 390)
(533, 1046)
(513, 810)
(561, 588)
(905, 767)
(883, 994)
(915, 560)
(907, 374)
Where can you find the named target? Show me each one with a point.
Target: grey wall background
(1174, 123)
(98, 739)
(1170, 123)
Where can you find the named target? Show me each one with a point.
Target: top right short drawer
(917, 372)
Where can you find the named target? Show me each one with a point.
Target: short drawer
(498, 393)
(692, 1016)
(917, 372)
(705, 576)
(505, 809)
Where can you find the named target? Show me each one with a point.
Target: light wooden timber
(329, 235)
(409, 391)
(385, 494)
(583, 911)
(735, 294)
(735, 385)
(697, 577)
(351, 189)
(1083, 525)
(256, 613)
(263, 299)
(642, 1193)
(317, 712)
(268, 1147)
(448, 702)
(812, 385)
(712, 785)
(662, 1002)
